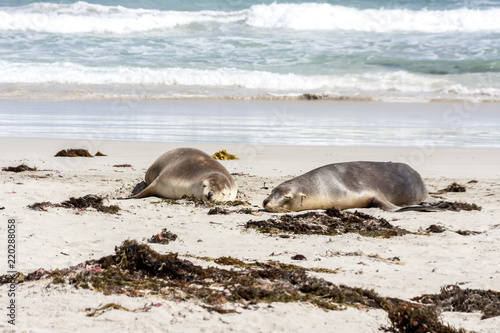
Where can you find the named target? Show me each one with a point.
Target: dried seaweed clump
(408, 317)
(90, 200)
(455, 206)
(454, 187)
(223, 155)
(19, 168)
(453, 298)
(164, 237)
(332, 222)
(74, 153)
(87, 201)
(434, 228)
(100, 154)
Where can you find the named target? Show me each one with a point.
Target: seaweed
(311, 97)
(455, 206)
(164, 237)
(87, 201)
(332, 222)
(410, 317)
(137, 270)
(203, 203)
(100, 154)
(453, 187)
(224, 155)
(90, 200)
(19, 168)
(122, 165)
(94, 312)
(467, 232)
(223, 211)
(435, 228)
(73, 153)
(229, 261)
(453, 298)
(41, 206)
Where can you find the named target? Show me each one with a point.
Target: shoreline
(303, 123)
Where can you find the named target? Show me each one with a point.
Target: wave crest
(82, 17)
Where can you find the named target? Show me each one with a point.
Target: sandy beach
(59, 237)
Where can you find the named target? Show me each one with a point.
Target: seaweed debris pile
(88, 201)
(73, 153)
(19, 168)
(332, 222)
(137, 270)
(453, 298)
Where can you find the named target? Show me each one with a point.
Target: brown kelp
(331, 222)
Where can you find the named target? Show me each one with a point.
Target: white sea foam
(82, 17)
(219, 80)
(315, 16)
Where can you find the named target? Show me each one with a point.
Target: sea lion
(190, 172)
(359, 184)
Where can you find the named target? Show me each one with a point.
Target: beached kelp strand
(19, 168)
(230, 261)
(73, 153)
(453, 187)
(332, 222)
(95, 312)
(84, 202)
(454, 206)
(453, 298)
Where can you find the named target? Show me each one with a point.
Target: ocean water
(362, 50)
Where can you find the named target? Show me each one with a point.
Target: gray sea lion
(361, 184)
(188, 171)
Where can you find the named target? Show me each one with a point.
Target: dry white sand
(62, 237)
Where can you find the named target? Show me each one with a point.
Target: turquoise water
(360, 50)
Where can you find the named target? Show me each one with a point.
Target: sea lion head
(217, 187)
(284, 198)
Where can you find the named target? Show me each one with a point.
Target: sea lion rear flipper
(419, 208)
(143, 192)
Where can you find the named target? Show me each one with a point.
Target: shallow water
(259, 122)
